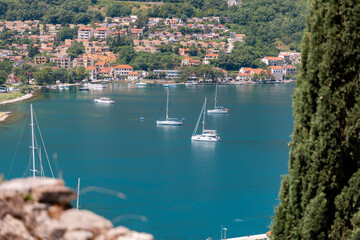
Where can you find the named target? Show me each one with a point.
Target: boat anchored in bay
(206, 135)
(217, 109)
(169, 121)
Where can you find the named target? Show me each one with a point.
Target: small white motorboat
(140, 84)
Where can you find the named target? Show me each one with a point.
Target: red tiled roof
(100, 28)
(124, 66)
(274, 58)
(211, 55)
(91, 68)
(257, 70)
(289, 66)
(85, 28)
(101, 63)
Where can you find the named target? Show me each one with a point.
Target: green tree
(33, 51)
(3, 77)
(118, 9)
(44, 76)
(320, 197)
(75, 50)
(126, 54)
(193, 50)
(141, 21)
(66, 33)
(6, 66)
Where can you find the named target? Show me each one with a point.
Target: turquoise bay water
(175, 189)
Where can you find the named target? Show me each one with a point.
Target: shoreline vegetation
(22, 97)
(18, 99)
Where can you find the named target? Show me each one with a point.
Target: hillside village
(195, 42)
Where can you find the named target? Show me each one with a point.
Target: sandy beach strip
(4, 115)
(26, 96)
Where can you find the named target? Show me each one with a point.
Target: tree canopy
(320, 196)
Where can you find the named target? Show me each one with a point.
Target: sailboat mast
(32, 140)
(215, 94)
(203, 123)
(167, 105)
(77, 195)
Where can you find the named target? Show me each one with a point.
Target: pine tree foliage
(324, 156)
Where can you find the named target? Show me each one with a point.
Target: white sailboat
(34, 146)
(169, 121)
(217, 109)
(206, 135)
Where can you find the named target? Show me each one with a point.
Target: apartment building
(102, 32)
(62, 62)
(85, 32)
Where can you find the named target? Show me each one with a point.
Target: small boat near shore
(64, 87)
(104, 100)
(140, 84)
(94, 86)
(169, 85)
(83, 89)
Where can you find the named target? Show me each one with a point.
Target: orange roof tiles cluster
(124, 66)
(91, 68)
(274, 58)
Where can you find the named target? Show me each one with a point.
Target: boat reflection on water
(198, 146)
(168, 132)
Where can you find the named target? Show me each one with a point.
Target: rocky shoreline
(39, 208)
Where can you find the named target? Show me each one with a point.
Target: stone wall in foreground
(32, 209)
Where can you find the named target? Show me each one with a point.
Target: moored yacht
(64, 86)
(94, 86)
(206, 135)
(169, 85)
(169, 121)
(83, 89)
(217, 109)
(103, 100)
(140, 84)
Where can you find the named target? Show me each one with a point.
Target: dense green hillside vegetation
(50, 11)
(265, 22)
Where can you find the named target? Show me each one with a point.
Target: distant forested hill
(266, 22)
(281, 22)
(50, 11)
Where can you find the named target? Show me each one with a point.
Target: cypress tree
(320, 198)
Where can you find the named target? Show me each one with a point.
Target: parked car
(3, 89)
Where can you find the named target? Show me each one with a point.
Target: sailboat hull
(218, 111)
(169, 122)
(205, 138)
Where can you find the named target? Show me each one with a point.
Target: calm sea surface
(174, 189)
